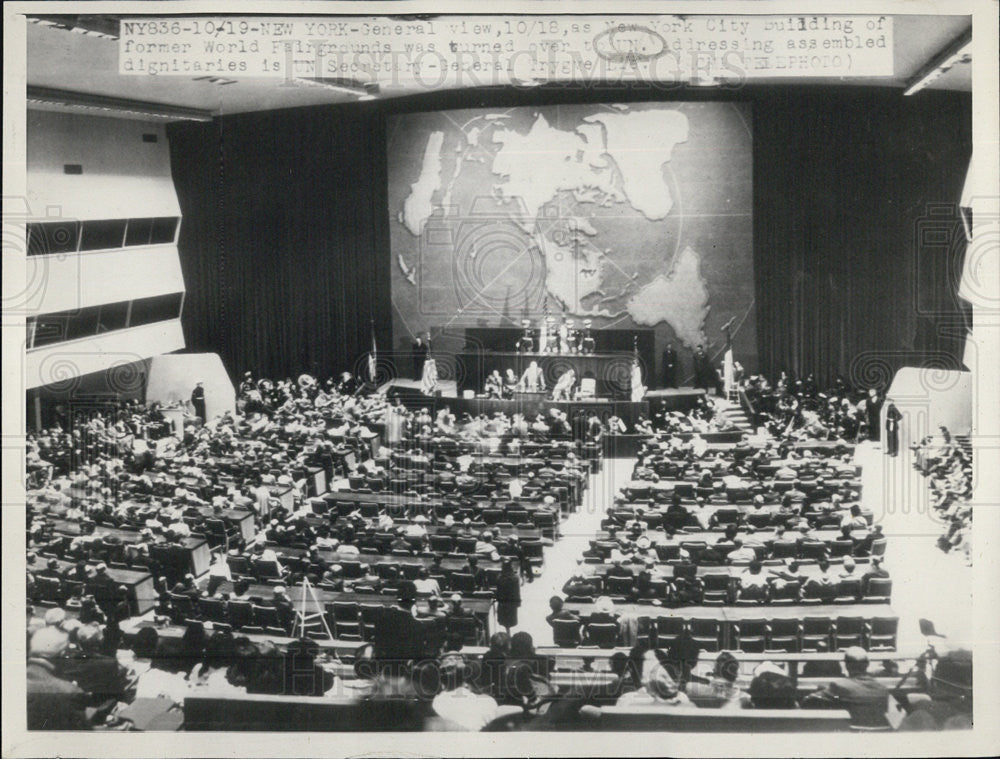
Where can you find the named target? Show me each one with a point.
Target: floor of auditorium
(927, 583)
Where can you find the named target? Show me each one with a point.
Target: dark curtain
(857, 241)
(283, 241)
(858, 244)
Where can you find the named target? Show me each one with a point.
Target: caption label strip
(463, 51)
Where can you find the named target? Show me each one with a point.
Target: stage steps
(734, 414)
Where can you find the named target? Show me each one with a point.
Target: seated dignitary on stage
(563, 389)
(533, 379)
(493, 387)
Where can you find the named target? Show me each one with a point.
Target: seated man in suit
(859, 693)
(53, 703)
(96, 673)
(580, 585)
(877, 571)
(399, 637)
(280, 601)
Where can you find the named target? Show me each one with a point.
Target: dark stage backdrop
(283, 241)
(858, 246)
(857, 243)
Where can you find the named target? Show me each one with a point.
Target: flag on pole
(373, 359)
(728, 372)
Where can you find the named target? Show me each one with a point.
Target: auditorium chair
(547, 523)
(695, 548)
(878, 547)
(213, 609)
(266, 616)
(221, 534)
(618, 586)
(849, 631)
(668, 629)
(240, 614)
(344, 620)
(73, 589)
(533, 550)
(652, 520)
(352, 569)
(814, 594)
(759, 519)
(566, 632)
(181, 606)
(810, 550)
(706, 633)
(717, 589)
(396, 511)
(638, 491)
(603, 634)
(783, 635)
(462, 582)
(440, 543)
(685, 489)
(815, 630)
(368, 613)
(787, 594)
(751, 635)
(827, 521)
(465, 544)
(48, 589)
(263, 569)
(880, 633)
(492, 516)
(465, 627)
(667, 551)
(784, 549)
(879, 590)
(848, 591)
(518, 516)
(505, 529)
(387, 570)
(726, 516)
(841, 548)
(686, 571)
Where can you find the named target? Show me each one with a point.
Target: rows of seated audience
(413, 552)
(429, 680)
(798, 409)
(948, 469)
(764, 527)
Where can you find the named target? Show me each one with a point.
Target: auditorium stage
(612, 372)
(532, 404)
(670, 398)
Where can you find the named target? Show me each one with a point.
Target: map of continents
(565, 188)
